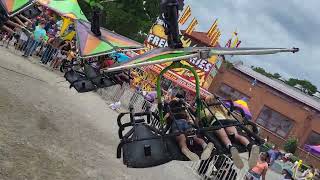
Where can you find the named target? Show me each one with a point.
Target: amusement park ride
(145, 145)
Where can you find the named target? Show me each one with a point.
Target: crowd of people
(41, 36)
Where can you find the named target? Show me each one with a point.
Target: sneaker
(190, 155)
(207, 151)
(254, 155)
(211, 170)
(236, 158)
(112, 106)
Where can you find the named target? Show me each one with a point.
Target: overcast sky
(272, 23)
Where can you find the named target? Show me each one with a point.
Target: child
(182, 123)
(220, 113)
(56, 62)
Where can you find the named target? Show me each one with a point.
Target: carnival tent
(15, 6)
(66, 8)
(242, 104)
(109, 42)
(313, 149)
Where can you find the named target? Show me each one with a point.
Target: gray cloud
(271, 23)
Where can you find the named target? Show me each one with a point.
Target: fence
(301, 153)
(216, 168)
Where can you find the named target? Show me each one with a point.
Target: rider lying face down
(181, 122)
(220, 114)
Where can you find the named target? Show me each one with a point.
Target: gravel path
(48, 131)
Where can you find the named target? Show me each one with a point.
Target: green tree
(291, 145)
(130, 18)
(262, 71)
(276, 75)
(228, 64)
(306, 86)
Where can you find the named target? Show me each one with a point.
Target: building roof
(281, 87)
(199, 36)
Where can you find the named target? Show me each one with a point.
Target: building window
(313, 138)
(228, 92)
(275, 122)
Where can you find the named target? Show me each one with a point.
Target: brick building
(280, 110)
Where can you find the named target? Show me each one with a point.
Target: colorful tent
(109, 42)
(67, 8)
(242, 104)
(120, 57)
(14, 6)
(313, 149)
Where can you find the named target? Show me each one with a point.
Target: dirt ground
(49, 132)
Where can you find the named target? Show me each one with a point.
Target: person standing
(307, 174)
(37, 37)
(51, 49)
(274, 154)
(287, 174)
(260, 170)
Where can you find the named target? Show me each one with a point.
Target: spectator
(307, 174)
(49, 24)
(274, 154)
(107, 62)
(37, 37)
(59, 24)
(260, 170)
(58, 59)
(287, 174)
(52, 48)
(23, 39)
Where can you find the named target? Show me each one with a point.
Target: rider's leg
(252, 149)
(182, 141)
(207, 148)
(234, 152)
(233, 131)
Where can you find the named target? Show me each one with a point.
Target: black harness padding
(88, 81)
(79, 81)
(145, 153)
(96, 78)
(145, 146)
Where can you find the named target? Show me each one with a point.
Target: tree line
(305, 85)
(130, 18)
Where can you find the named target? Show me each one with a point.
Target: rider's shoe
(236, 158)
(207, 151)
(254, 155)
(190, 155)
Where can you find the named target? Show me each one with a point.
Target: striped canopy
(109, 42)
(14, 6)
(67, 8)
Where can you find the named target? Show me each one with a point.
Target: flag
(235, 42)
(228, 45)
(185, 16)
(213, 29)
(215, 39)
(192, 26)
